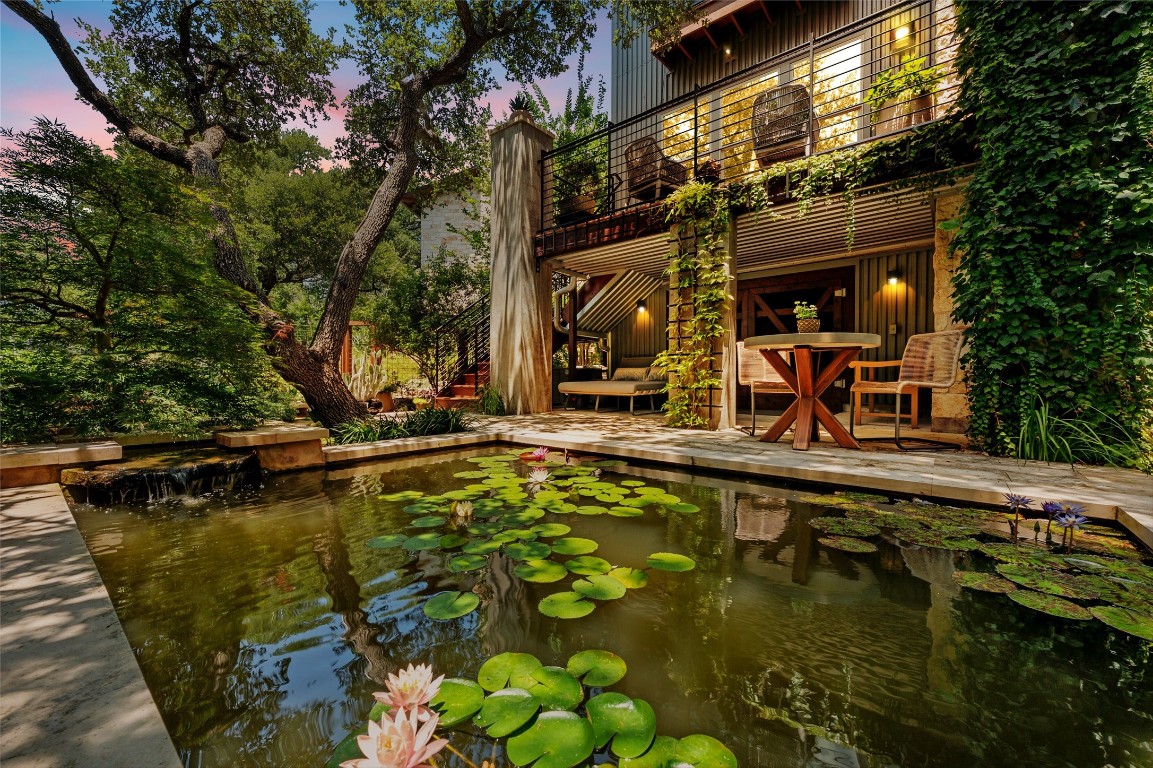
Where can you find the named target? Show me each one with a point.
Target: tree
(186, 77)
(113, 319)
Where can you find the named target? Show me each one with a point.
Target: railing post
(542, 192)
(612, 192)
(696, 125)
(812, 97)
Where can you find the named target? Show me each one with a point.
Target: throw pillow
(630, 374)
(657, 373)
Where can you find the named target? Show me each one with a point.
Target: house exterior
(751, 85)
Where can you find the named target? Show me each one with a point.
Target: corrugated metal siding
(909, 304)
(615, 301)
(642, 335)
(781, 236)
(640, 82)
(647, 255)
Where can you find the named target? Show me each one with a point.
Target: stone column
(520, 331)
(951, 406)
(728, 343)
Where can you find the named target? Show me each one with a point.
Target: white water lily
(397, 743)
(539, 476)
(462, 510)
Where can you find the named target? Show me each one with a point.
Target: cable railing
(461, 344)
(879, 77)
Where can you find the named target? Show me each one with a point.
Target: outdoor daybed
(635, 376)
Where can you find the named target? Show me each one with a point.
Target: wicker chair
(781, 124)
(754, 372)
(930, 360)
(651, 174)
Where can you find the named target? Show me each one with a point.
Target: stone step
(456, 402)
(463, 390)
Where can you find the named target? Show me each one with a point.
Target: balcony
(877, 78)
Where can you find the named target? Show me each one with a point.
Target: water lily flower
(1016, 503)
(411, 689)
(1071, 520)
(397, 743)
(539, 476)
(461, 510)
(540, 454)
(1050, 508)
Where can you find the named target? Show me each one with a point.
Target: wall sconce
(641, 306)
(894, 276)
(902, 35)
(728, 49)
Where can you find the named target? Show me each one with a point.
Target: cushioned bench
(620, 386)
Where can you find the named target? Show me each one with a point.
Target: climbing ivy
(1055, 276)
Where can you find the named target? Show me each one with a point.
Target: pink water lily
(540, 454)
(411, 688)
(397, 743)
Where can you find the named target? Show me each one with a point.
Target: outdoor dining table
(807, 381)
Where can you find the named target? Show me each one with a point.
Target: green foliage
(491, 401)
(804, 311)
(112, 319)
(910, 80)
(1045, 436)
(418, 423)
(1055, 275)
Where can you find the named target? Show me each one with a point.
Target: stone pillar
(520, 331)
(951, 406)
(727, 344)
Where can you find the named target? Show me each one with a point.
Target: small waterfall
(157, 477)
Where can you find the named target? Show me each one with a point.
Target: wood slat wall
(642, 335)
(640, 82)
(909, 304)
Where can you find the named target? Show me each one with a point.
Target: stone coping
(270, 434)
(52, 454)
(73, 693)
(341, 454)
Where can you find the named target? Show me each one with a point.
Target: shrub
(420, 423)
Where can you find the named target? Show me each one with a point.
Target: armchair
(754, 372)
(651, 175)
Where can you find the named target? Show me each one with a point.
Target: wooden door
(765, 306)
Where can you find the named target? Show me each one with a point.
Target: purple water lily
(1071, 520)
(1050, 508)
(1016, 503)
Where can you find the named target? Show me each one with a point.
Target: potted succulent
(807, 319)
(903, 96)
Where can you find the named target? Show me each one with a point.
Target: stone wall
(951, 406)
(440, 217)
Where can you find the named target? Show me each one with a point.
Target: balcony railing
(873, 79)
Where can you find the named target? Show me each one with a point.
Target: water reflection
(263, 624)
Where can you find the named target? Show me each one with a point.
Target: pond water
(263, 622)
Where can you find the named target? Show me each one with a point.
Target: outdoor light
(902, 36)
(894, 276)
(728, 53)
(641, 306)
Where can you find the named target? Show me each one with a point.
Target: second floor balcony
(874, 79)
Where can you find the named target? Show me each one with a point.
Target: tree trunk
(319, 381)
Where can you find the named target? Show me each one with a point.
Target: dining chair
(930, 360)
(754, 372)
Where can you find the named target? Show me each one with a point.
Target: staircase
(461, 393)
(461, 363)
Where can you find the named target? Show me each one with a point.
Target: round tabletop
(814, 340)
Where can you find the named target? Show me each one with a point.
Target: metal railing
(461, 343)
(878, 77)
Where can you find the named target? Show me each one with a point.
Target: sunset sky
(32, 82)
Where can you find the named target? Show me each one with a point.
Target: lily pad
(461, 495)
(662, 753)
(446, 606)
(596, 667)
(843, 526)
(524, 517)
(557, 688)
(462, 563)
(590, 510)
(420, 507)
(984, 582)
(574, 545)
(508, 670)
(938, 540)
(422, 541)
(609, 498)
(551, 495)
(485, 529)
(1124, 620)
(565, 605)
(632, 578)
(848, 544)
(701, 751)
(481, 546)
(555, 740)
(388, 541)
(860, 496)
(638, 502)
(551, 530)
(1050, 604)
(402, 496)
(528, 550)
(1049, 582)
(586, 565)
(471, 474)
(669, 561)
(457, 700)
(684, 508)
(629, 723)
(623, 511)
(632, 483)
(1025, 552)
(599, 588)
(505, 711)
(541, 571)
(452, 541)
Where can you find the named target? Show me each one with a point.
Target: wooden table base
(807, 383)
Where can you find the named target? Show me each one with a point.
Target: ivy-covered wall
(1055, 242)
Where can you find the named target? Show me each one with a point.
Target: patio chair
(754, 372)
(652, 176)
(930, 360)
(781, 124)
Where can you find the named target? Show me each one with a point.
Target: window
(836, 90)
(736, 141)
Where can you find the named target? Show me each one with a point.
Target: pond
(263, 620)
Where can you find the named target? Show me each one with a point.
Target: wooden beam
(737, 24)
(684, 50)
(800, 8)
(710, 37)
(765, 10)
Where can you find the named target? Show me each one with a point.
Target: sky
(33, 84)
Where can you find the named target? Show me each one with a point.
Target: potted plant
(708, 170)
(576, 187)
(903, 96)
(384, 395)
(807, 319)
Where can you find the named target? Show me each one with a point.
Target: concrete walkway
(71, 692)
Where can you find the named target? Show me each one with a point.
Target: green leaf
(630, 723)
(446, 606)
(1124, 620)
(457, 700)
(632, 578)
(555, 740)
(481, 546)
(505, 711)
(574, 545)
(662, 754)
(422, 541)
(528, 550)
(586, 565)
(1050, 604)
(599, 588)
(402, 496)
(508, 669)
(452, 541)
(623, 511)
(388, 541)
(556, 688)
(597, 667)
(703, 751)
(669, 561)
(565, 605)
(684, 508)
(462, 563)
(541, 571)
(551, 530)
